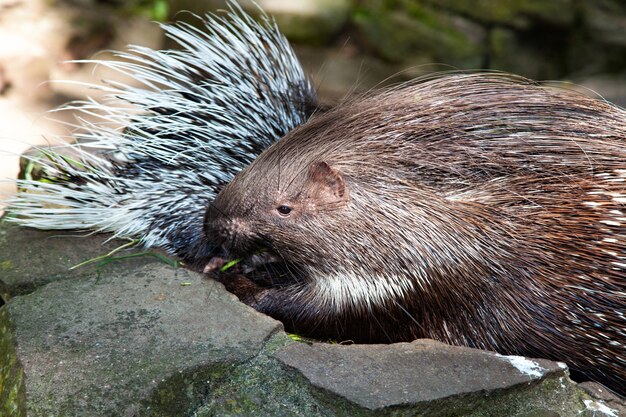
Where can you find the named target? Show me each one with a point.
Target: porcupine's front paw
(245, 289)
(236, 283)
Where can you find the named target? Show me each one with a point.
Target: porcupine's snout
(228, 233)
(217, 226)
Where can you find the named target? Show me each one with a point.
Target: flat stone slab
(403, 373)
(426, 377)
(146, 343)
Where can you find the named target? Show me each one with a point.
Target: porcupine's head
(276, 204)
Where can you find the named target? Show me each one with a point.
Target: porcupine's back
(478, 209)
(154, 157)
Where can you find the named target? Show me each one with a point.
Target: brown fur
(476, 209)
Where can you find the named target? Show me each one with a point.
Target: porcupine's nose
(225, 230)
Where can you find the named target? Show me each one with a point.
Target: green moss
(262, 387)
(12, 389)
(158, 10)
(510, 12)
(410, 29)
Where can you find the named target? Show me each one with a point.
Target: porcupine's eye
(284, 210)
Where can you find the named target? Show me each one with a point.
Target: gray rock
(141, 338)
(603, 401)
(424, 378)
(392, 375)
(430, 378)
(146, 343)
(31, 258)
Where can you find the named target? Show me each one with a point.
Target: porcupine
(480, 210)
(198, 115)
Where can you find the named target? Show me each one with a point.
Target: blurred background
(345, 45)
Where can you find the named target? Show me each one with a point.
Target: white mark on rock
(524, 365)
(599, 406)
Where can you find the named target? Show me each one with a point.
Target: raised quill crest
(152, 160)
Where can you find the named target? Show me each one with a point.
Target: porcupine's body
(479, 210)
(196, 117)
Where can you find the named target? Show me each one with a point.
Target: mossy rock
(406, 31)
(513, 13)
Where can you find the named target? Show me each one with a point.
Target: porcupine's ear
(329, 186)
